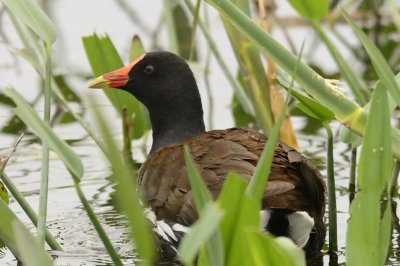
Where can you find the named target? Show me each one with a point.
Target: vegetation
(227, 231)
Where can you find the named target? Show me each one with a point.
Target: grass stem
(242, 97)
(331, 192)
(53, 244)
(44, 181)
(99, 229)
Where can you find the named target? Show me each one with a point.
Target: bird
(293, 203)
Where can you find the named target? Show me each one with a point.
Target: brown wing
(294, 183)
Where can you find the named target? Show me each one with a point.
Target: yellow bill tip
(99, 82)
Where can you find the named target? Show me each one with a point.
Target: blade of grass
(128, 198)
(230, 200)
(357, 85)
(311, 9)
(201, 194)
(184, 32)
(202, 197)
(252, 69)
(11, 228)
(268, 251)
(255, 74)
(260, 177)
(346, 111)
(6, 230)
(365, 225)
(34, 17)
(200, 233)
(287, 134)
(26, 113)
(194, 27)
(241, 215)
(32, 253)
(21, 200)
(242, 97)
(96, 223)
(51, 241)
(379, 63)
(44, 180)
(350, 137)
(170, 24)
(395, 13)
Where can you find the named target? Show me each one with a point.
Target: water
(66, 218)
(69, 223)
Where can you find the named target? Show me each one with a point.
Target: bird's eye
(149, 69)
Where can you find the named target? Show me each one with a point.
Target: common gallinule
(294, 199)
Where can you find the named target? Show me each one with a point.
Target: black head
(165, 84)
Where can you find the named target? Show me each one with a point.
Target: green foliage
(26, 113)
(346, 111)
(34, 17)
(184, 32)
(29, 248)
(254, 80)
(368, 230)
(128, 198)
(137, 48)
(380, 65)
(200, 192)
(237, 216)
(257, 184)
(242, 216)
(311, 9)
(202, 197)
(309, 105)
(201, 232)
(242, 119)
(19, 240)
(357, 85)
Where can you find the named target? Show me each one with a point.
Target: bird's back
(294, 183)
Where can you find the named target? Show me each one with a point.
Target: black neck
(175, 126)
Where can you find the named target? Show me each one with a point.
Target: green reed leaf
(311, 9)
(201, 194)
(379, 63)
(365, 243)
(29, 116)
(32, 254)
(128, 198)
(33, 16)
(19, 240)
(201, 232)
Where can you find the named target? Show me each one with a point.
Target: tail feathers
(280, 222)
(168, 233)
(300, 227)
